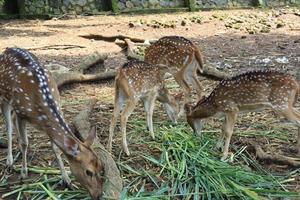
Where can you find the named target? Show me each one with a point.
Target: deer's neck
(204, 110)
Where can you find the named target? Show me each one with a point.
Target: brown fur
(247, 92)
(183, 59)
(135, 81)
(30, 92)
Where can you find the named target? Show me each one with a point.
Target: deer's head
(85, 165)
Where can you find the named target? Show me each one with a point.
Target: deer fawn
(28, 90)
(138, 80)
(243, 93)
(183, 59)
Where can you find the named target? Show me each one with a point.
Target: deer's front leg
(65, 177)
(230, 118)
(6, 110)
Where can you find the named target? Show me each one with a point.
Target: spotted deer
(183, 59)
(138, 80)
(28, 90)
(247, 92)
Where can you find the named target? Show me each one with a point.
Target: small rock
(282, 60)
(183, 23)
(280, 24)
(131, 25)
(266, 60)
(243, 37)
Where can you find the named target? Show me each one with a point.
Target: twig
(275, 158)
(57, 47)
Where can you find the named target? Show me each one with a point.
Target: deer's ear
(71, 147)
(179, 96)
(90, 139)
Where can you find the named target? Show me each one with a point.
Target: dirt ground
(234, 41)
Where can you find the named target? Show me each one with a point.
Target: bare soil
(234, 41)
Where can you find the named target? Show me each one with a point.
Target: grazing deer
(243, 93)
(183, 59)
(138, 80)
(28, 90)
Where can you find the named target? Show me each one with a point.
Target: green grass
(188, 167)
(177, 165)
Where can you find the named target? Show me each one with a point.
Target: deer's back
(139, 76)
(28, 87)
(255, 88)
(171, 50)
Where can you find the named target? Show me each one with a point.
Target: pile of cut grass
(177, 165)
(189, 168)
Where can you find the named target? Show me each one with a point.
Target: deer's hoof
(24, 174)
(66, 184)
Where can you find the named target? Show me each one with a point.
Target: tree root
(275, 158)
(113, 186)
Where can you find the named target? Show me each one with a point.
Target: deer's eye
(89, 173)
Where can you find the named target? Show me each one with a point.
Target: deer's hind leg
(119, 102)
(194, 80)
(292, 115)
(23, 143)
(230, 119)
(149, 102)
(129, 107)
(6, 110)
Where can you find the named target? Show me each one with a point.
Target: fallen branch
(113, 38)
(113, 186)
(90, 61)
(75, 77)
(275, 158)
